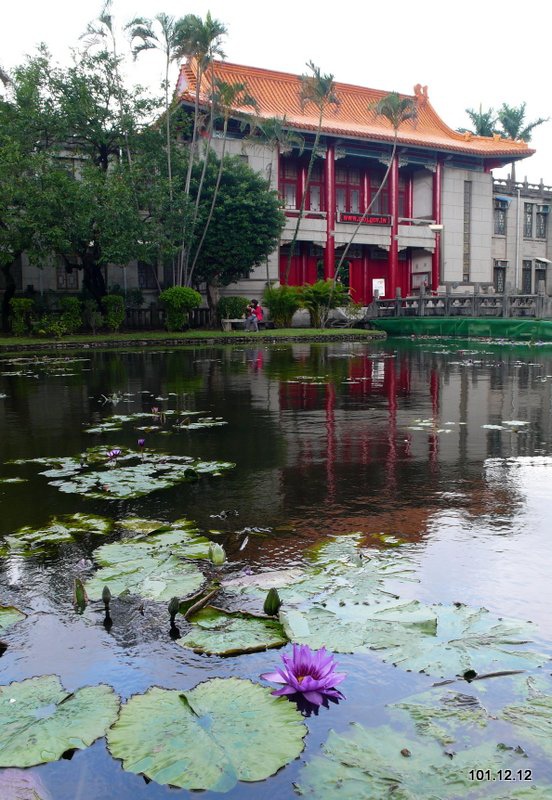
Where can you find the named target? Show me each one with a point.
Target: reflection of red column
(392, 425)
(391, 289)
(330, 441)
(329, 176)
(435, 403)
(436, 212)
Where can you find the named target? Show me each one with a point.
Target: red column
(391, 288)
(436, 212)
(329, 181)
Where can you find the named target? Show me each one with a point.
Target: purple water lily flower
(308, 672)
(114, 453)
(141, 442)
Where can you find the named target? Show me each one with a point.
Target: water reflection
(387, 440)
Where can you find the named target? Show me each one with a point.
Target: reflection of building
(438, 195)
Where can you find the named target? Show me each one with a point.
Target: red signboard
(369, 219)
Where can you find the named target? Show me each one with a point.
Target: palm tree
(318, 89)
(201, 40)
(514, 126)
(97, 32)
(484, 122)
(169, 40)
(226, 97)
(396, 110)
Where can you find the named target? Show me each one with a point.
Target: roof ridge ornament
(421, 95)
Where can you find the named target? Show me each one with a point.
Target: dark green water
(390, 439)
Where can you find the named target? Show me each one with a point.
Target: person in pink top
(253, 316)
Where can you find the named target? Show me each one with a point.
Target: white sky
(468, 52)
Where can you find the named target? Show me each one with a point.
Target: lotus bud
(272, 603)
(80, 596)
(174, 606)
(217, 554)
(106, 596)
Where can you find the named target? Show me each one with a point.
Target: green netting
(537, 330)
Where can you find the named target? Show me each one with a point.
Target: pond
(397, 494)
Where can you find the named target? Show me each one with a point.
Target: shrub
(178, 302)
(51, 325)
(92, 315)
(71, 314)
(318, 298)
(232, 307)
(21, 309)
(114, 307)
(282, 303)
(133, 297)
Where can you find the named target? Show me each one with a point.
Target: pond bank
(161, 338)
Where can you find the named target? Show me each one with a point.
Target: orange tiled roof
(277, 94)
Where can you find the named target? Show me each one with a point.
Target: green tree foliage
(320, 297)
(515, 126)
(114, 307)
(483, 122)
(317, 89)
(178, 302)
(232, 307)
(282, 303)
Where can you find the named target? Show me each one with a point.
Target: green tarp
(536, 330)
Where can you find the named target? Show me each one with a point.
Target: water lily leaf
(9, 615)
(131, 474)
(40, 720)
(151, 567)
(380, 763)
(440, 640)
(440, 715)
(221, 732)
(60, 529)
(224, 633)
(339, 568)
(13, 480)
(533, 718)
(465, 638)
(349, 627)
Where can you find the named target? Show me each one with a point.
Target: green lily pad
(381, 763)
(150, 566)
(130, 475)
(60, 529)
(221, 732)
(339, 568)
(351, 627)
(224, 633)
(533, 718)
(13, 480)
(9, 615)
(41, 721)
(439, 640)
(441, 715)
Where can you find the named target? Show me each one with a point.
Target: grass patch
(139, 338)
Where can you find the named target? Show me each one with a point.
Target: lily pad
(131, 474)
(221, 732)
(381, 763)
(9, 615)
(60, 529)
(150, 566)
(41, 720)
(439, 640)
(533, 719)
(223, 633)
(441, 715)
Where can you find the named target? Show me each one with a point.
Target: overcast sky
(467, 53)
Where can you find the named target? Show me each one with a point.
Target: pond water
(438, 454)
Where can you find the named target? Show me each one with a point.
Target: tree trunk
(93, 280)
(213, 297)
(9, 292)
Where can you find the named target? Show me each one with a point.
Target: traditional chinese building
(433, 222)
